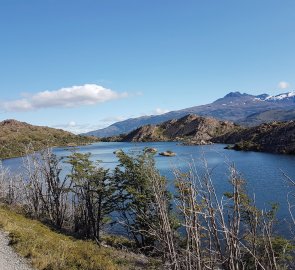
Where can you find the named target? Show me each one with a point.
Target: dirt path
(9, 260)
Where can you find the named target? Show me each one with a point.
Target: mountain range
(241, 108)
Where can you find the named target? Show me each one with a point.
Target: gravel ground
(9, 260)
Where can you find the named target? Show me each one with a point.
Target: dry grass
(50, 250)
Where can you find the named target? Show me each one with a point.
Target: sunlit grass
(50, 250)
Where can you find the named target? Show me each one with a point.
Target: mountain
(15, 137)
(268, 116)
(235, 107)
(276, 137)
(191, 129)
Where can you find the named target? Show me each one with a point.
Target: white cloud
(88, 94)
(283, 85)
(160, 111)
(72, 124)
(78, 128)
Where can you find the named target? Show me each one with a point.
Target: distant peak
(235, 94)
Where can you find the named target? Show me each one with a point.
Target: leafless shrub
(227, 232)
(11, 191)
(46, 191)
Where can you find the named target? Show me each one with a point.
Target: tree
(94, 196)
(57, 188)
(145, 203)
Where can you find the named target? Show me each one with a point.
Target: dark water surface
(262, 171)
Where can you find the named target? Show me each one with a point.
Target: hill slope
(234, 107)
(15, 137)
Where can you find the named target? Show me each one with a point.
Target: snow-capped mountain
(280, 97)
(235, 106)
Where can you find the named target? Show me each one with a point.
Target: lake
(262, 171)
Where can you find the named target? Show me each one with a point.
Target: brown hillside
(16, 136)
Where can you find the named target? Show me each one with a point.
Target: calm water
(262, 171)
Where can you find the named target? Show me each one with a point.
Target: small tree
(57, 188)
(94, 196)
(145, 203)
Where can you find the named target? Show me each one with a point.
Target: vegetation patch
(18, 138)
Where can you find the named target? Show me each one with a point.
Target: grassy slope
(50, 250)
(16, 136)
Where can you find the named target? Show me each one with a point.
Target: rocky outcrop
(276, 137)
(191, 129)
(148, 133)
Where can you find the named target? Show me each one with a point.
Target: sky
(83, 65)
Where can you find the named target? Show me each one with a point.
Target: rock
(151, 150)
(117, 151)
(167, 154)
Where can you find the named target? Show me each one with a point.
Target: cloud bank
(75, 96)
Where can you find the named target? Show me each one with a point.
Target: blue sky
(129, 58)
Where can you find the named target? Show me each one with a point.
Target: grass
(49, 250)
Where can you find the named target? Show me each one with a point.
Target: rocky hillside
(191, 129)
(235, 106)
(276, 137)
(15, 137)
